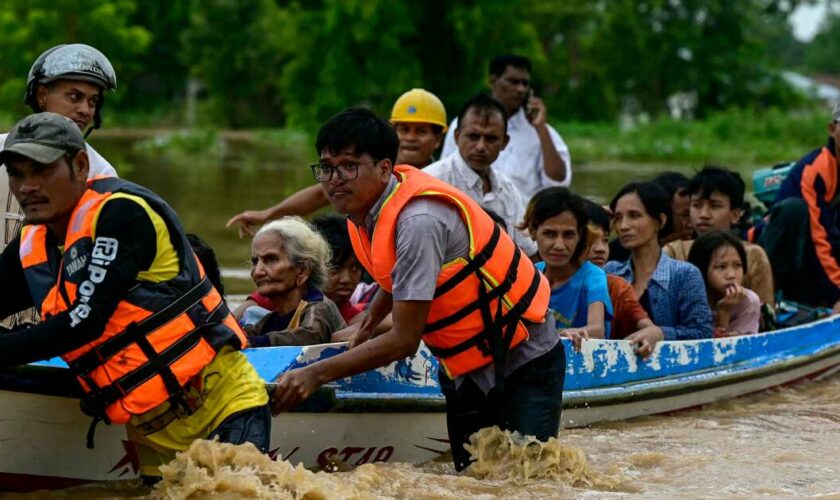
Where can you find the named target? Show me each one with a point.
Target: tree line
(288, 63)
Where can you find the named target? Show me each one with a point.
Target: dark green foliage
(274, 63)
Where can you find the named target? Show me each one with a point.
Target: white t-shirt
(522, 159)
(9, 209)
(504, 198)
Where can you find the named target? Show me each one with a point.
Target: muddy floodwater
(777, 443)
(785, 442)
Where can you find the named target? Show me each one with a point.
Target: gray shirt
(430, 233)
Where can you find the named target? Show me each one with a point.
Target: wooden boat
(396, 413)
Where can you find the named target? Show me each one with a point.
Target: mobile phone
(530, 111)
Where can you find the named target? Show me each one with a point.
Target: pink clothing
(745, 316)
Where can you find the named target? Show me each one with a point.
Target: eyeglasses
(323, 172)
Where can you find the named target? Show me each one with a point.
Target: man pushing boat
(124, 301)
(442, 264)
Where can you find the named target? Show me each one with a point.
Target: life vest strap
(99, 355)
(98, 399)
(496, 293)
(473, 265)
(482, 341)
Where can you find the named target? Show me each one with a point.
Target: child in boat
(630, 321)
(721, 258)
(289, 262)
(556, 219)
(345, 271)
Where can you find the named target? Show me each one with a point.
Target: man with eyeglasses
(536, 156)
(442, 264)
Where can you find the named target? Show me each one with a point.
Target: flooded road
(785, 442)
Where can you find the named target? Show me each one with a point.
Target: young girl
(721, 258)
(580, 301)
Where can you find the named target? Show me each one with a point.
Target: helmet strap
(97, 115)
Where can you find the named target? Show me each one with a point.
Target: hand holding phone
(534, 109)
(530, 110)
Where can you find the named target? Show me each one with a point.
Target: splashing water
(524, 459)
(504, 461)
(221, 470)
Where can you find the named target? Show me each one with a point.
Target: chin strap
(97, 115)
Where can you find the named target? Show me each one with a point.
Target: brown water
(785, 442)
(779, 443)
(776, 443)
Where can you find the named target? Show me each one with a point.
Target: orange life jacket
(467, 326)
(161, 334)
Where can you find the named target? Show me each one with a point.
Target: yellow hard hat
(419, 106)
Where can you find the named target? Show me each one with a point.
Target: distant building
(822, 87)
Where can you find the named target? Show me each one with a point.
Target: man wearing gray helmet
(70, 80)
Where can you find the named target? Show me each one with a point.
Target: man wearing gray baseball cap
(124, 302)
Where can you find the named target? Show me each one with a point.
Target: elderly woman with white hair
(289, 265)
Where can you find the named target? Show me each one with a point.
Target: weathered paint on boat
(396, 413)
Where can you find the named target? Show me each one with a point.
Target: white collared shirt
(522, 159)
(504, 198)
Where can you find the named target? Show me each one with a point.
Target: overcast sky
(806, 20)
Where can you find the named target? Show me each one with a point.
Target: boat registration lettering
(368, 455)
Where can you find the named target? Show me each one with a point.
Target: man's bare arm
(403, 340)
(304, 202)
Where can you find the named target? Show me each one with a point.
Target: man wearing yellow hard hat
(419, 119)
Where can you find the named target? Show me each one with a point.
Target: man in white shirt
(480, 136)
(70, 80)
(536, 156)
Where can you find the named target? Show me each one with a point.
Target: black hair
(654, 199)
(361, 129)
(500, 63)
(334, 230)
(713, 178)
(672, 183)
(484, 105)
(553, 201)
(705, 247)
(597, 215)
(496, 218)
(207, 257)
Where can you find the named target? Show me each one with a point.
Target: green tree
(233, 47)
(28, 27)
